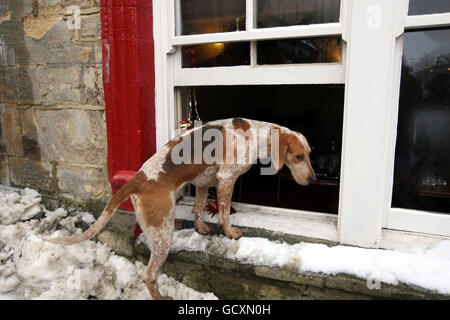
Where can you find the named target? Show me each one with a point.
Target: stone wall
(52, 114)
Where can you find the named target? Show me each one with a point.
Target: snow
(428, 268)
(32, 268)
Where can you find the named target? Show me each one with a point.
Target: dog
(153, 188)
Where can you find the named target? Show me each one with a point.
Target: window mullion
(250, 14)
(371, 48)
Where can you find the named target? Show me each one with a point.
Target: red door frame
(129, 85)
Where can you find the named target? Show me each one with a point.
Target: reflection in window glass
(276, 13)
(314, 110)
(311, 50)
(216, 55)
(422, 156)
(200, 16)
(417, 7)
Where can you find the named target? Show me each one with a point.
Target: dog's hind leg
(201, 196)
(159, 239)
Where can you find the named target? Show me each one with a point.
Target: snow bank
(19, 206)
(428, 268)
(31, 268)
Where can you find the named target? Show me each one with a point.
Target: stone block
(289, 276)
(93, 93)
(33, 54)
(59, 32)
(96, 54)
(4, 170)
(8, 54)
(118, 240)
(36, 26)
(81, 182)
(28, 91)
(360, 286)
(235, 286)
(12, 32)
(60, 84)
(29, 139)
(59, 47)
(72, 135)
(11, 129)
(66, 52)
(51, 3)
(8, 85)
(18, 8)
(81, 3)
(90, 26)
(31, 173)
(4, 7)
(314, 293)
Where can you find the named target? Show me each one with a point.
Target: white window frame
(400, 218)
(370, 117)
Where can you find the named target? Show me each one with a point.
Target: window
(318, 114)
(343, 61)
(420, 192)
(199, 16)
(216, 55)
(418, 7)
(422, 171)
(230, 52)
(277, 13)
(309, 50)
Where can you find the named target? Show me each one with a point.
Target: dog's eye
(300, 157)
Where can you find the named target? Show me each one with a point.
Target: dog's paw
(202, 228)
(233, 233)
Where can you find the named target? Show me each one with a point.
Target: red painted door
(129, 84)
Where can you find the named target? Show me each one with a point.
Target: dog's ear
(283, 146)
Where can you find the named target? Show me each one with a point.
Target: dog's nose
(312, 178)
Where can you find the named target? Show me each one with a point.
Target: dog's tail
(124, 192)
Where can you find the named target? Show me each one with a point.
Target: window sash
(427, 21)
(303, 31)
(400, 218)
(323, 73)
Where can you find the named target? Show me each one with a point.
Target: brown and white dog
(153, 188)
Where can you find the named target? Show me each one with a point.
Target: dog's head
(294, 151)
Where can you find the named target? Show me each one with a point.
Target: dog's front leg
(224, 193)
(201, 197)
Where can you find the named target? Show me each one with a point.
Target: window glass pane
(422, 157)
(311, 50)
(201, 16)
(275, 13)
(417, 7)
(216, 55)
(314, 110)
